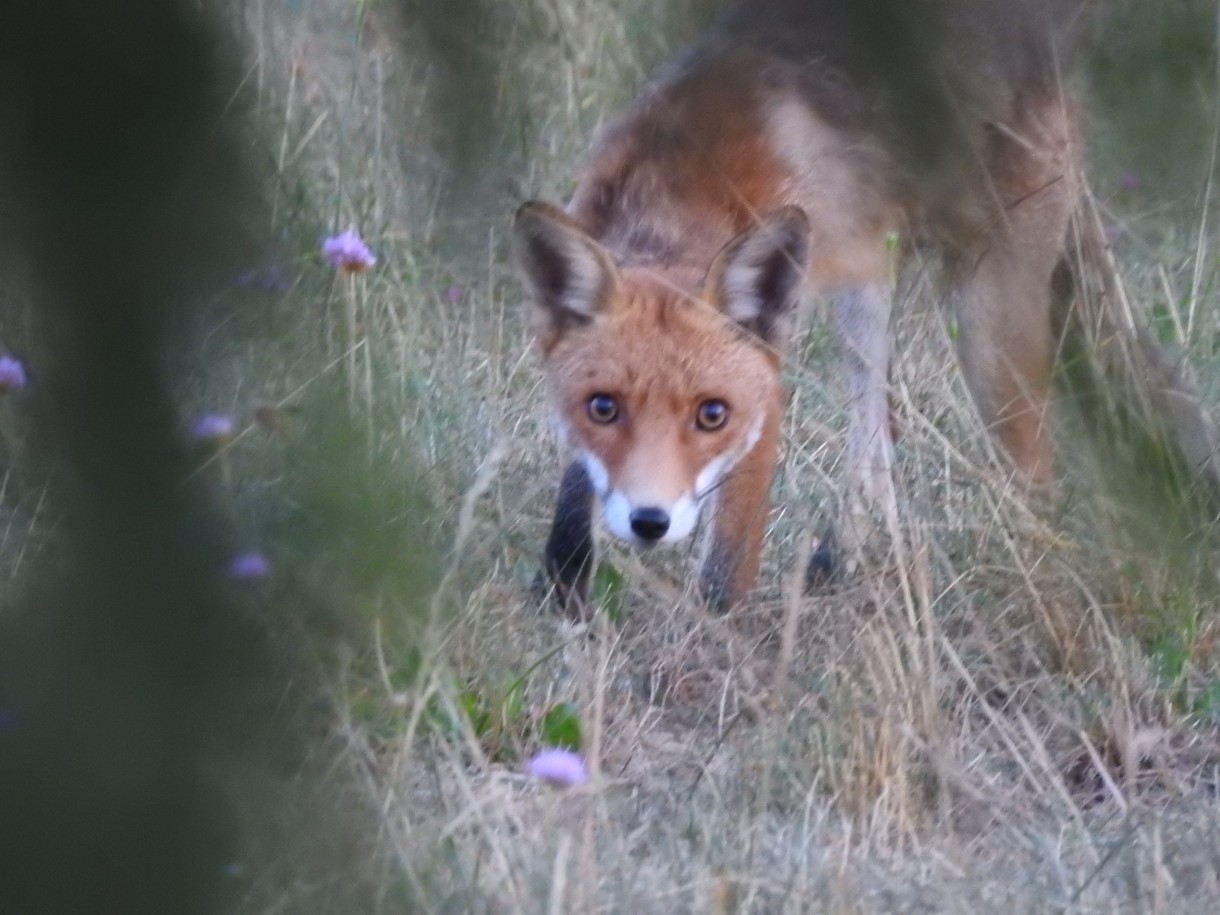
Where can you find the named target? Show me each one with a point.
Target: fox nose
(649, 523)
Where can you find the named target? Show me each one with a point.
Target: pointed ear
(570, 275)
(756, 278)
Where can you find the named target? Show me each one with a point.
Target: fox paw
(571, 600)
(823, 561)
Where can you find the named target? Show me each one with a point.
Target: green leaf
(1171, 656)
(1163, 324)
(1207, 703)
(512, 709)
(476, 712)
(608, 587)
(561, 727)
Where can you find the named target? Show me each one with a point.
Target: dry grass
(1007, 704)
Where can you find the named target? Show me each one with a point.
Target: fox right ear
(568, 272)
(757, 277)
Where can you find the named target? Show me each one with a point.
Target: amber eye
(602, 408)
(712, 415)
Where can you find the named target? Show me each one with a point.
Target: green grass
(1008, 705)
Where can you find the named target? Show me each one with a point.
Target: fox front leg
(731, 555)
(569, 549)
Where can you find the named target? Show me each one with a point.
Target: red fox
(778, 158)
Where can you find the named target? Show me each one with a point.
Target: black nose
(649, 523)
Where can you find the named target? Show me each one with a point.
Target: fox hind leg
(1001, 288)
(1005, 348)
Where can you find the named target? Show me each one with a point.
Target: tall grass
(1010, 703)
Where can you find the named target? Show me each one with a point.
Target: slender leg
(1003, 297)
(862, 318)
(1006, 350)
(1002, 281)
(569, 548)
(731, 554)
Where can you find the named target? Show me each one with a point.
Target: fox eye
(602, 408)
(712, 415)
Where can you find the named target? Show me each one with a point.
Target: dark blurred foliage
(1154, 88)
(125, 673)
(473, 85)
(1150, 71)
(129, 678)
(460, 36)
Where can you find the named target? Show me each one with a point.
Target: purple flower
(560, 768)
(251, 566)
(213, 429)
(454, 294)
(348, 252)
(12, 375)
(1129, 181)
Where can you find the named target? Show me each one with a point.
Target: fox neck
(686, 276)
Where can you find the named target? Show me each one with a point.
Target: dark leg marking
(569, 548)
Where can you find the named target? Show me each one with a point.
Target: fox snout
(650, 524)
(647, 522)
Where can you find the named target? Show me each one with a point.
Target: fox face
(660, 388)
(659, 398)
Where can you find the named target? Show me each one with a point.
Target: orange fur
(670, 280)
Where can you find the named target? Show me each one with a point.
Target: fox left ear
(756, 278)
(570, 275)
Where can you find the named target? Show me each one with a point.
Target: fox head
(661, 391)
